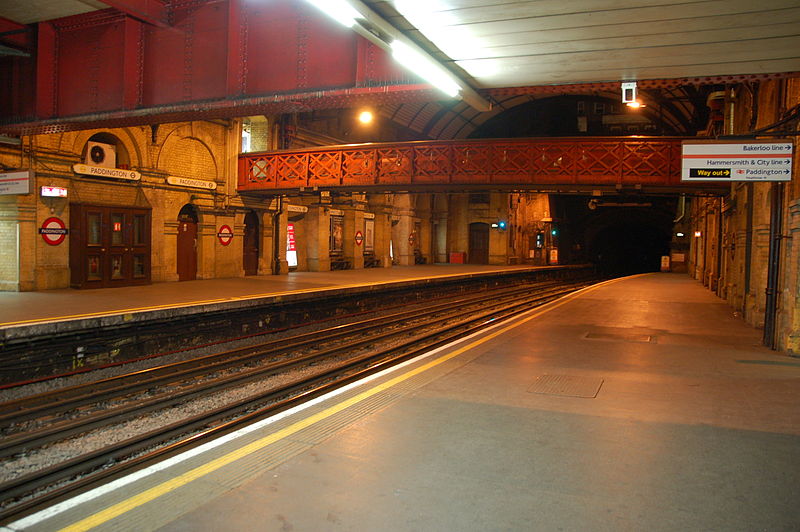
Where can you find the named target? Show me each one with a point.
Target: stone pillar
(401, 231)
(317, 243)
(354, 222)
(498, 238)
(439, 219)
(457, 225)
(382, 209)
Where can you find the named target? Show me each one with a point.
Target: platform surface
(639, 404)
(18, 307)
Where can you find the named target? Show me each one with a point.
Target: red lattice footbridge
(649, 164)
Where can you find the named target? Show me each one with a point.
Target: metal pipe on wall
(276, 237)
(774, 265)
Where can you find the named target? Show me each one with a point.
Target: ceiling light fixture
(424, 68)
(365, 117)
(338, 10)
(364, 21)
(629, 92)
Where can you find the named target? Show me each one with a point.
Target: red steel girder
(150, 11)
(16, 37)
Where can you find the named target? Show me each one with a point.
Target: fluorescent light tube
(338, 10)
(424, 68)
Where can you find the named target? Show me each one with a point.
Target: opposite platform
(18, 308)
(639, 404)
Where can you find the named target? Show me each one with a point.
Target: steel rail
(26, 408)
(104, 464)
(17, 443)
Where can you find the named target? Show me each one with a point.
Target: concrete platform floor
(694, 426)
(53, 304)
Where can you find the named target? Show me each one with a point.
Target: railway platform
(22, 308)
(641, 403)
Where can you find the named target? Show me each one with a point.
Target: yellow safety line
(220, 300)
(200, 471)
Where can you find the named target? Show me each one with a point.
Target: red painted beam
(236, 56)
(150, 11)
(132, 71)
(46, 71)
(15, 36)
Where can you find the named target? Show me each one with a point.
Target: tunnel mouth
(628, 247)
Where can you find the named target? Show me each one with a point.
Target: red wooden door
(478, 243)
(251, 244)
(187, 250)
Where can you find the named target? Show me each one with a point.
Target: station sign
(53, 231)
(18, 182)
(191, 183)
(225, 235)
(722, 161)
(359, 238)
(103, 171)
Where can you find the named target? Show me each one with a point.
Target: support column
(318, 235)
(403, 246)
(382, 209)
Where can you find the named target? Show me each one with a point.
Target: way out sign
(225, 235)
(721, 161)
(53, 231)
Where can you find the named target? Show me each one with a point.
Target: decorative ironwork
(622, 161)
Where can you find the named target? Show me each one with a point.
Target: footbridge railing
(651, 162)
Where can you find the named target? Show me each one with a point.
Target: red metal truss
(644, 84)
(16, 37)
(149, 11)
(216, 58)
(627, 162)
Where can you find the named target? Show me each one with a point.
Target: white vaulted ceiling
(553, 42)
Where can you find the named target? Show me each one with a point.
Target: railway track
(343, 353)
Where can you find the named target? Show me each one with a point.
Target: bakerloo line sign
(720, 161)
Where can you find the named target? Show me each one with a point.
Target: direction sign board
(18, 182)
(722, 161)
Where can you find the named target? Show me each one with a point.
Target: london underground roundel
(225, 235)
(53, 231)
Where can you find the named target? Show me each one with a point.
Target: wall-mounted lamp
(698, 234)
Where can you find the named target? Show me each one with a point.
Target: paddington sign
(103, 171)
(721, 161)
(192, 183)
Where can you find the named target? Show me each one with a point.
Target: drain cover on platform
(620, 337)
(567, 385)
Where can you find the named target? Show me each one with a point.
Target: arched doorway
(250, 248)
(478, 243)
(187, 243)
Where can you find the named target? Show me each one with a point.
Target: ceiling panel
(546, 42)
